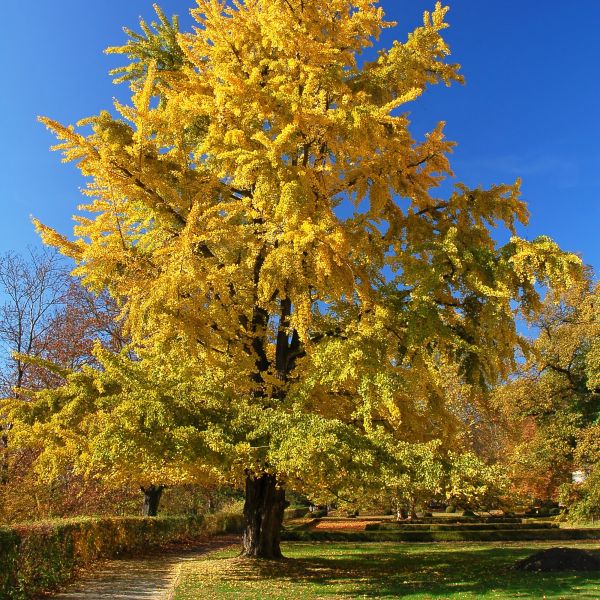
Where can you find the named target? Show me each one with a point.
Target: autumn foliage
(297, 294)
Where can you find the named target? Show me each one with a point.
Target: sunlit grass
(383, 570)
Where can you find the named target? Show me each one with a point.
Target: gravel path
(145, 578)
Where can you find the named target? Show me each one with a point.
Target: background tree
(416, 478)
(47, 314)
(46, 317)
(33, 290)
(553, 400)
(473, 484)
(262, 209)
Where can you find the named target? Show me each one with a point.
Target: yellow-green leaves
(262, 213)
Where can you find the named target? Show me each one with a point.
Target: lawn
(383, 570)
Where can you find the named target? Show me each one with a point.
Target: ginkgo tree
(261, 208)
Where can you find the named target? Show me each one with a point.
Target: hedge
(456, 526)
(316, 514)
(441, 536)
(479, 519)
(42, 556)
(294, 513)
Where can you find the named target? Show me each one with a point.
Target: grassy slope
(383, 570)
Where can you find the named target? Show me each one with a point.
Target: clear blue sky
(530, 107)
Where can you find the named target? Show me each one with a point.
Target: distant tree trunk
(3, 456)
(263, 513)
(413, 509)
(152, 496)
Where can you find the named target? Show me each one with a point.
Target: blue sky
(529, 107)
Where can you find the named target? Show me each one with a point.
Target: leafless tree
(32, 291)
(46, 313)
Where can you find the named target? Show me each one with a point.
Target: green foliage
(583, 499)
(450, 509)
(473, 483)
(9, 550)
(41, 556)
(157, 43)
(316, 514)
(411, 474)
(463, 535)
(294, 513)
(456, 526)
(110, 423)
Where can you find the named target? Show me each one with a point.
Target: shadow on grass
(381, 571)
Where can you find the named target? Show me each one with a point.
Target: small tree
(473, 484)
(417, 476)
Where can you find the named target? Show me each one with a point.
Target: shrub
(554, 512)
(469, 513)
(41, 556)
(316, 514)
(450, 509)
(441, 536)
(444, 527)
(294, 513)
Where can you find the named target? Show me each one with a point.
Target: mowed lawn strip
(383, 570)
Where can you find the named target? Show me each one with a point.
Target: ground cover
(383, 570)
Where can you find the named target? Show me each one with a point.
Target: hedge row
(42, 556)
(456, 526)
(478, 519)
(441, 536)
(294, 513)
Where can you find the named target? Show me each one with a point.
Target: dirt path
(142, 578)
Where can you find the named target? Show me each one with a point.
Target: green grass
(386, 570)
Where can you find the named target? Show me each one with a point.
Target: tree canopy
(288, 275)
(552, 403)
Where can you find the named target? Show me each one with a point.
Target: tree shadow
(395, 571)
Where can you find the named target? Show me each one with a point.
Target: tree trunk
(152, 496)
(3, 457)
(263, 513)
(413, 510)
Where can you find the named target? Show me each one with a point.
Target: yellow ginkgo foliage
(262, 208)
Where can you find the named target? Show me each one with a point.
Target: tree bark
(263, 513)
(3, 457)
(413, 510)
(152, 496)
